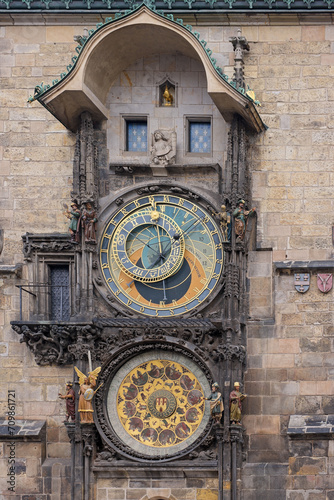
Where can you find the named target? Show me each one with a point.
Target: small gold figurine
(86, 394)
(168, 98)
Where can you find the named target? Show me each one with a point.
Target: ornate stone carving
(106, 455)
(232, 280)
(59, 344)
(240, 44)
(163, 150)
(42, 243)
(237, 182)
(85, 179)
(63, 344)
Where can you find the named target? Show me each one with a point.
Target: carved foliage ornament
(63, 344)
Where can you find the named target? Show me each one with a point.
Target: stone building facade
(71, 140)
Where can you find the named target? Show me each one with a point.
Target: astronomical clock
(161, 257)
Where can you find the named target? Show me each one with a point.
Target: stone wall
(153, 484)
(290, 335)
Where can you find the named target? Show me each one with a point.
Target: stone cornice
(222, 6)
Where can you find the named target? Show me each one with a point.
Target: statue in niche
(70, 402)
(73, 214)
(163, 150)
(89, 220)
(235, 404)
(216, 403)
(86, 393)
(224, 218)
(241, 217)
(167, 97)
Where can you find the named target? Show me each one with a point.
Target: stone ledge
(15, 269)
(34, 430)
(123, 468)
(310, 426)
(304, 264)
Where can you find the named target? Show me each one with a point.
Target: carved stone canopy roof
(124, 39)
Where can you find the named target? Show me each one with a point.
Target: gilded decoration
(160, 403)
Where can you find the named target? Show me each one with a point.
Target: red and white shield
(325, 282)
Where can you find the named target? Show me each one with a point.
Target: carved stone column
(219, 429)
(236, 450)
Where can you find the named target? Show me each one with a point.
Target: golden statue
(225, 222)
(168, 98)
(86, 394)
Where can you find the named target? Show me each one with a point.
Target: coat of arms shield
(325, 282)
(302, 282)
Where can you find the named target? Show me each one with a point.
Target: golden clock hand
(159, 242)
(177, 236)
(161, 262)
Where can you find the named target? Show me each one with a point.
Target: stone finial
(239, 45)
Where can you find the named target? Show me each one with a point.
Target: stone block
(157, 492)
(328, 404)
(278, 360)
(206, 494)
(59, 450)
(278, 405)
(256, 482)
(277, 374)
(320, 448)
(64, 33)
(119, 494)
(284, 388)
(184, 493)
(31, 484)
(258, 388)
(261, 424)
(283, 346)
(165, 483)
(308, 405)
(193, 482)
(102, 494)
(306, 466)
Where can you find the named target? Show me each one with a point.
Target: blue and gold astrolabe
(161, 255)
(159, 240)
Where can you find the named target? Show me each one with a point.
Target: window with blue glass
(199, 137)
(136, 135)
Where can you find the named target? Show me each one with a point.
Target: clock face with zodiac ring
(161, 255)
(155, 404)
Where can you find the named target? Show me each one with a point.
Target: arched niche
(115, 46)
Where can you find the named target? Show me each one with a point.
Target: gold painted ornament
(160, 403)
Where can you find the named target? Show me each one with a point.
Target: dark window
(136, 135)
(60, 293)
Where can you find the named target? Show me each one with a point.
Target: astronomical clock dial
(161, 255)
(156, 404)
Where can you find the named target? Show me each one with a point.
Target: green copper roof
(175, 5)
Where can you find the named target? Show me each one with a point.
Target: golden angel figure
(86, 394)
